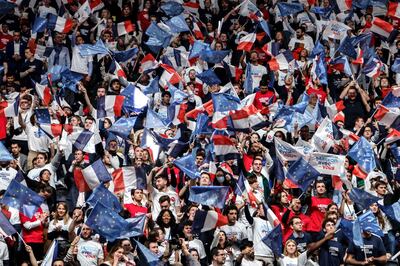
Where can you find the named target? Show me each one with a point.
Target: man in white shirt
(257, 70)
(90, 252)
(301, 40)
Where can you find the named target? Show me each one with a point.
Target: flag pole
(23, 241)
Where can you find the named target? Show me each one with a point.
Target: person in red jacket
(264, 96)
(318, 205)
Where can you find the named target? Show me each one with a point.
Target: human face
(113, 145)
(40, 160)
(45, 176)
(161, 183)
(192, 212)
(330, 227)
(352, 94)
(138, 195)
(153, 246)
(78, 156)
(126, 244)
(88, 123)
(165, 205)
(199, 160)
(321, 188)
(77, 215)
(333, 208)
(61, 211)
(381, 190)
(118, 253)
(106, 123)
(25, 104)
(166, 218)
(195, 255)
(101, 92)
(204, 180)
(232, 216)
(367, 132)
(15, 149)
(86, 232)
(374, 208)
(187, 231)
(221, 237)
(297, 225)
(58, 263)
(138, 153)
(257, 166)
(296, 205)
(220, 257)
(74, 121)
(28, 54)
(284, 198)
(291, 248)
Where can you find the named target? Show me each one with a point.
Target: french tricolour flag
(95, 5)
(148, 64)
(393, 9)
(197, 31)
(281, 61)
(119, 72)
(246, 117)
(169, 76)
(44, 93)
(192, 7)
(52, 130)
(206, 107)
(63, 25)
(95, 173)
(381, 27)
(208, 220)
(110, 105)
(125, 27)
(344, 5)
(335, 108)
(393, 136)
(246, 42)
(9, 108)
(127, 178)
(386, 116)
(224, 148)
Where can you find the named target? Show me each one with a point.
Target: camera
(175, 244)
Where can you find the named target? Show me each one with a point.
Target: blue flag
(107, 198)
(125, 56)
(110, 224)
(318, 49)
(202, 125)
(135, 100)
(320, 70)
(154, 120)
(93, 49)
(214, 196)
(392, 211)
(171, 8)
(209, 77)
(123, 126)
(368, 222)
(363, 198)
(6, 7)
(364, 155)
(155, 45)
(346, 47)
(396, 66)
(225, 102)
(197, 48)
(5, 155)
(22, 198)
(155, 32)
(43, 116)
(342, 64)
(6, 226)
(391, 101)
(287, 9)
(248, 82)
(39, 25)
(211, 56)
(352, 231)
(240, 186)
(177, 24)
(302, 173)
(187, 164)
(274, 240)
(152, 87)
(146, 257)
(83, 139)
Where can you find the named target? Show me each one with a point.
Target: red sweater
(34, 235)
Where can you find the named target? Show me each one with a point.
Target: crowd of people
(199, 132)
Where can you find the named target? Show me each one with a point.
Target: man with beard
(90, 252)
(246, 256)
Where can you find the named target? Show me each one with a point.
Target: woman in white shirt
(292, 257)
(58, 228)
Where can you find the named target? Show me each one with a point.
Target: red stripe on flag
(80, 182)
(118, 179)
(119, 100)
(222, 140)
(69, 23)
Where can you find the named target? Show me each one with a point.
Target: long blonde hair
(66, 216)
(285, 249)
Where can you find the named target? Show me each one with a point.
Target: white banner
(323, 138)
(328, 164)
(286, 152)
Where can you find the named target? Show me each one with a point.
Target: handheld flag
(209, 195)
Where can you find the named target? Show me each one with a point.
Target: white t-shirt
(80, 64)
(239, 230)
(256, 74)
(198, 245)
(64, 226)
(300, 261)
(43, 11)
(3, 251)
(6, 175)
(260, 229)
(38, 141)
(89, 252)
(251, 262)
(35, 172)
(14, 219)
(156, 195)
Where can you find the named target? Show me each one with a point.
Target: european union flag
(352, 231)
(171, 8)
(396, 66)
(368, 222)
(209, 195)
(248, 82)
(93, 49)
(123, 126)
(320, 70)
(209, 77)
(103, 195)
(202, 125)
(152, 87)
(274, 240)
(43, 116)
(39, 25)
(124, 56)
(211, 56)
(346, 47)
(362, 197)
(391, 101)
(225, 102)
(364, 155)
(287, 9)
(392, 211)
(146, 257)
(325, 12)
(6, 226)
(155, 45)
(197, 48)
(302, 173)
(158, 34)
(177, 24)
(22, 198)
(153, 120)
(317, 50)
(110, 224)
(187, 164)
(240, 187)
